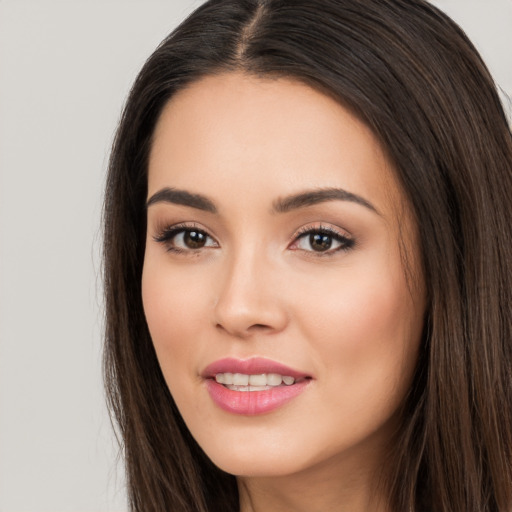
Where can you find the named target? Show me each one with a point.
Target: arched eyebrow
(281, 205)
(182, 197)
(312, 197)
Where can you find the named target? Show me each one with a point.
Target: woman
(307, 264)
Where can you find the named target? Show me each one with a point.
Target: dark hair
(414, 78)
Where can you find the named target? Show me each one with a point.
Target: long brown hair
(412, 75)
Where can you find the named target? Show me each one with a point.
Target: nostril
(259, 328)
(244, 332)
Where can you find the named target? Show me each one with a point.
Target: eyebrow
(282, 205)
(182, 197)
(310, 198)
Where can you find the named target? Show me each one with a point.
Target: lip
(251, 403)
(252, 366)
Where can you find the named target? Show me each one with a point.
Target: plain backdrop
(65, 70)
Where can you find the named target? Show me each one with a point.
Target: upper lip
(252, 366)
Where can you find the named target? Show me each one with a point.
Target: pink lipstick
(252, 386)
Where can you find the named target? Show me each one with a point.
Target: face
(273, 284)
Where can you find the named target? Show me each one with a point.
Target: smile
(260, 382)
(253, 386)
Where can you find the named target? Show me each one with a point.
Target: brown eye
(182, 239)
(324, 240)
(320, 242)
(194, 239)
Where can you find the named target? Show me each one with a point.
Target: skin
(349, 318)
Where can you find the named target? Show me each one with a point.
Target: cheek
(173, 304)
(367, 331)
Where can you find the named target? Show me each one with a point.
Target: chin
(251, 467)
(250, 458)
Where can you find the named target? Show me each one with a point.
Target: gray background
(65, 69)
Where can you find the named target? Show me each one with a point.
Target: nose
(250, 298)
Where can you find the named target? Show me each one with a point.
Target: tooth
(258, 380)
(258, 388)
(274, 379)
(239, 379)
(255, 382)
(239, 388)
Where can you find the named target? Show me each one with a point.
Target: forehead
(268, 134)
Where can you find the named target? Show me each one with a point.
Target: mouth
(259, 382)
(253, 386)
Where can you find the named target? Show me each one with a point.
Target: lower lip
(250, 403)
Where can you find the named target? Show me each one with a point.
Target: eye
(322, 240)
(185, 238)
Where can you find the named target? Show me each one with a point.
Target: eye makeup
(317, 241)
(185, 238)
(321, 240)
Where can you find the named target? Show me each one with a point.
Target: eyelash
(345, 242)
(168, 235)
